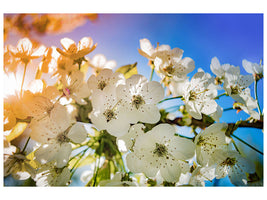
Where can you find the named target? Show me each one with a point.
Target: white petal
(248, 66)
(62, 157)
(47, 152)
(148, 114)
(77, 133)
(181, 148)
(85, 42)
(152, 92)
(66, 43)
(237, 176)
(171, 171)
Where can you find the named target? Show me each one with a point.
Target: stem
(25, 144)
(247, 144)
(178, 97)
(227, 109)
(152, 72)
(256, 96)
(220, 95)
(23, 78)
(76, 163)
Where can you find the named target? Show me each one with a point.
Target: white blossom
(106, 80)
(76, 52)
(208, 141)
(25, 51)
(252, 68)
(199, 96)
(99, 62)
(235, 84)
(58, 147)
(168, 62)
(49, 175)
(75, 87)
(160, 150)
(16, 164)
(231, 163)
(218, 69)
(109, 113)
(140, 97)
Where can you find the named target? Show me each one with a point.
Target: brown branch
(201, 124)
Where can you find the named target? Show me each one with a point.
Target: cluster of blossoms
(115, 114)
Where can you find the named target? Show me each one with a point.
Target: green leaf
(128, 70)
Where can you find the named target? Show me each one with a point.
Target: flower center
(169, 69)
(101, 85)
(229, 161)
(235, 90)
(61, 138)
(137, 101)
(72, 48)
(109, 114)
(160, 150)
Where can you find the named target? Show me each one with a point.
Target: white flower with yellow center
(199, 96)
(58, 147)
(25, 51)
(76, 52)
(140, 98)
(231, 163)
(168, 62)
(109, 113)
(160, 150)
(99, 62)
(105, 81)
(75, 87)
(49, 175)
(209, 140)
(235, 84)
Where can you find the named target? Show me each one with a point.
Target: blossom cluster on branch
(112, 123)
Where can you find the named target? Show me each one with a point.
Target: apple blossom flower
(235, 84)
(140, 97)
(219, 70)
(168, 62)
(58, 147)
(160, 150)
(50, 175)
(25, 52)
(99, 62)
(75, 87)
(208, 141)
(76, 52)
(231, 163)
(199, 95)
(109, 113)
(252, 68)
(250, 105)
(16, 163)
(106, 80)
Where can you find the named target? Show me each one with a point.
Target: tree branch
(201, 124)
